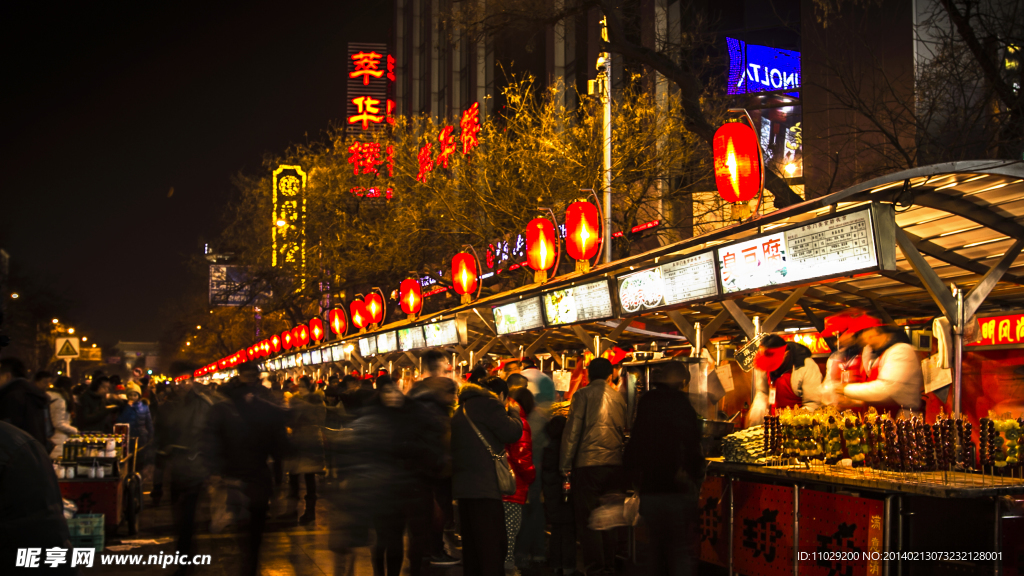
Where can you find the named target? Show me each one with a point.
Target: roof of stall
(962, 219)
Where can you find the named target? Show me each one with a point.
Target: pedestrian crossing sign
(67, 347)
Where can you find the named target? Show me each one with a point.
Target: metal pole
(732, 510)
(796, 530)
(958, 348)
(607, 158)
(887, 537)
(997, 545)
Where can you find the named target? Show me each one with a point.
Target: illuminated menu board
(338, 353)
(582, 303)
(367, 346)
(315, 357)
(305, 359)
(836, 246)
(438, 334)
(518, 316)
(387, 342)
(411, 338)
(685, 280)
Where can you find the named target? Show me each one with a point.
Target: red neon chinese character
(369, 111)
(389, 193)
(391, 67)
(750, 255)
(728, 260)
(469, 128)
(358, 191)
(364, 156)
(390, 111)
(390, 151)
(447, 148)
(426, 162)
(771, 249)
(366, 64)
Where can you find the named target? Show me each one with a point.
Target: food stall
(935, 242)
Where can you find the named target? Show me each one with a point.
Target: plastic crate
(87, 531)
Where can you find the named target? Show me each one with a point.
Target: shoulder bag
(506, 477)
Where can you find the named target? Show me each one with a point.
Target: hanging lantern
(411, 296)
(374, 307)
(360, 317)
(739, 174)
(465, 275)
(287, 340)
(266, 348)
(275, 343)
(316, 330)
(541, 244)
(582, 232)
(301, 334)
(336, 319)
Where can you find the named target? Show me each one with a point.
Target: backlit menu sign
(387, 342)
(367, 346)
(518, 316)
(840, 245)
(305, 359)
(581, 303)
(338, 353)
(438, 334)
(315, 357)
(411, 338)
(670, 284)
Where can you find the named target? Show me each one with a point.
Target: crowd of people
(418, 465)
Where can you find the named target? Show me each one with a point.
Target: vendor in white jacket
(786, 377)
(893, 372)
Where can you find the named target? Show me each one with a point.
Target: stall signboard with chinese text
(387, 342)
(839, 245)
(444, 333)
(714, 521)
(411, 338)
(744, 355)
(368, 346)
(692, 278)
(288, 221)
(518, 316)
(754, 68)
(581, 303)
(762, 529)
(840, 534)
(1001, 330)
(371, 72)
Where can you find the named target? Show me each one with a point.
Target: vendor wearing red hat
(893, 371)
(786, 377)
(844, 366)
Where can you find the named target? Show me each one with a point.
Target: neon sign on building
(288, 225)
(754, 68)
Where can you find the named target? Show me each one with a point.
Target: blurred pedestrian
(520, 458)
(480, 429)
(558, 506)
(95, 408)
(23, 404)
(592, 453)
(306, 416)
(349, 393)
(665, 459)
(61, 405)
(242, 433)
(531, 544)
(137, 416)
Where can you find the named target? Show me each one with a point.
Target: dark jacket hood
(470, 391)
(32, 392)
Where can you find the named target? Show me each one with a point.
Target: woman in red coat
(520, 457)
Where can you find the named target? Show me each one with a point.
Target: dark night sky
(108, 107)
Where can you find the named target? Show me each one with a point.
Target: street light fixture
(14, 295)
(55, 321)
(71, 330)
(85, 338)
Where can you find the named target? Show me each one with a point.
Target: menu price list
(839, 244)
(441, 333)
(387, 342)
(592, 301)
(519, 316)
(367, 346)
(689, 279)
(411, 338)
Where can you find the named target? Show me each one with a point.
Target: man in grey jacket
(592, 451)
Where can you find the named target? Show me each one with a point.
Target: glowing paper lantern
(411, 296)
(464, 273)
(360, 317)
(739, 174)
(338, 322)
(374, 307)
(301, 334)
(316, 330)
(582, 230)
(541, 243)
(275, 343)
(287, 340)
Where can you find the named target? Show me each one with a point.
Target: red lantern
(316, 330)
(464, 273)
(374, 307)
(275, 343)
(739, 174)
(339, 324)
(541, 244)
(360, 317)
(582, 230)
(300, 334)
(287, 340)
(411, 296)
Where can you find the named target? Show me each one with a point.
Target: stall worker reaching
(893, 379)
(786, 377)
(844, 366)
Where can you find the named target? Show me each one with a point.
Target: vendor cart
(117, 494)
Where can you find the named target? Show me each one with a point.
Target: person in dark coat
(664, 458)
(558, 507)
(137, 416)
(31, 507)
(24, 404)
(307, 415)
(94, 409)
(242, 433)
(474, 480)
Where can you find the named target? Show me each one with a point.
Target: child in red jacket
(520, 457)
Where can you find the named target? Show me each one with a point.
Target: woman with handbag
(481, 426)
